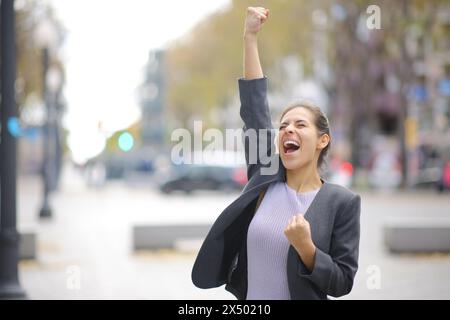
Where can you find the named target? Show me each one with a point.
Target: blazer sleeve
(258, 130)
(333, 273)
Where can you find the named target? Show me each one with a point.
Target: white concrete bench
(417, 235)
(150, 237)
(27, 245)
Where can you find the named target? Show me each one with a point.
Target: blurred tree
(203, 65)
(29, 55)
(374, 70)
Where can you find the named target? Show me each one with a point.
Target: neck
(304, 179)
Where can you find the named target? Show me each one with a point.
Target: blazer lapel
(314, 211)
(256, 184)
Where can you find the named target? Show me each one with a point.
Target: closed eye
(298, 124)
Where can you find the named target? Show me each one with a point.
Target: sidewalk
(89, 239)
(91, 233)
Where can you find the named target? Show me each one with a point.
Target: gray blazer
(334, 217)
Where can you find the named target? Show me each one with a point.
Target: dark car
(188, 178)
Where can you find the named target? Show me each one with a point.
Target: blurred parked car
(444, 182)
(108, 166)
(188, 178)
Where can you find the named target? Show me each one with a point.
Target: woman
(289, 235)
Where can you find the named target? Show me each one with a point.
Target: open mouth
(290, 146)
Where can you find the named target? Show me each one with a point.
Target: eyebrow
(296, 121)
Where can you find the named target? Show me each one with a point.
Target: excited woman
(289, 235)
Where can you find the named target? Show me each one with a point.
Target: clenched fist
(298, 232)
(255, 18)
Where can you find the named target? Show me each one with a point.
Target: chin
(291, 164)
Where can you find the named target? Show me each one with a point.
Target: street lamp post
(54, 84)
(46, 211)
(9, 237)
(46, 38)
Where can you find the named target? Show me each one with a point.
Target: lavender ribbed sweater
(267, 246)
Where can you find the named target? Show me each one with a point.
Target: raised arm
(258, 138)
(253, 23)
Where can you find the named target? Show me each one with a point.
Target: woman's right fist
(256, 16)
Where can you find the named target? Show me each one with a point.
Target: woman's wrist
(249, 36)
(307, 252)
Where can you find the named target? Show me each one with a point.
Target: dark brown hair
(320, 121)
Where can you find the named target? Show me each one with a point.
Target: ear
(324, 140)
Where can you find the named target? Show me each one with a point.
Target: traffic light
(125, 141)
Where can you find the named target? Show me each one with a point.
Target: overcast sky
(106, 48)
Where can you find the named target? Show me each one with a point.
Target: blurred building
(152, 102)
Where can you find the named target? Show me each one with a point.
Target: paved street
(85, 251)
